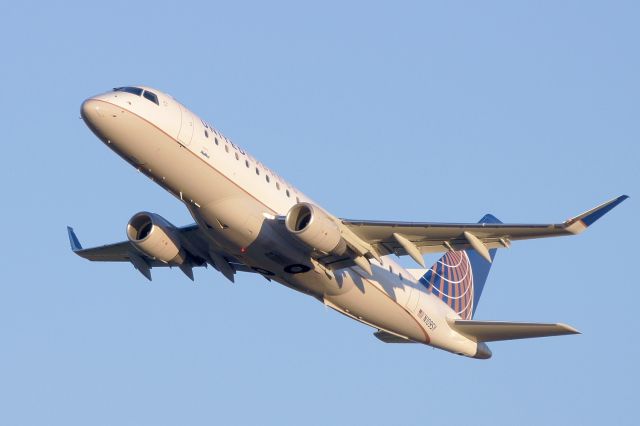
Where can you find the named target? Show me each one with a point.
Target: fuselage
(233, 198)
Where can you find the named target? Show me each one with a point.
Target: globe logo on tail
(451, 279)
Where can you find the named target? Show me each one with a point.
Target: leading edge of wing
(582, 221)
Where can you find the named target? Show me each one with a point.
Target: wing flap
(490, 331)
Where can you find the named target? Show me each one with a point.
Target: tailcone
(483, 351)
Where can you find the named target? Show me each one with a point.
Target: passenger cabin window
(133, 90)
(246, 163)
(216, 139)
(267, 178)
(257, 171)
(151, 96)
(206, 134)
(287, 192)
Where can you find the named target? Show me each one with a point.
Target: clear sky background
(426, 111)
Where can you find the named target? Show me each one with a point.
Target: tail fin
(458, 277)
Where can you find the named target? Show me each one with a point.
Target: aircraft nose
(98, 115)
(90, 110)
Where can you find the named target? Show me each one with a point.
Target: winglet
(73, 240)
(583, 221)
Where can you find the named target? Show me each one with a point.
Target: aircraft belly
(368, 301)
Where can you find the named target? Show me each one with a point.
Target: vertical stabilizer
(458, 277)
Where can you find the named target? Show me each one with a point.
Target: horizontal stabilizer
(490, 331)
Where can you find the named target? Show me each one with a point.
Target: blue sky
(433, 111)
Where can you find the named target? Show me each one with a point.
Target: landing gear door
(186, 129)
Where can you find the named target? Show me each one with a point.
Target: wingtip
(618, 200)
(73, 240)
(569, 329)
(589, 217)
(603, 209)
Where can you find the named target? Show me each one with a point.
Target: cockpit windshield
(151, 96)
(139, 92)
(133, 90)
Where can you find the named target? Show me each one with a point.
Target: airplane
(249, 219)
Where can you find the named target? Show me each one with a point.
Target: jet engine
(155, 237)
(316, 229)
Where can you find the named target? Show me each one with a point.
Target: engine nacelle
(315, 228)
(155, 237)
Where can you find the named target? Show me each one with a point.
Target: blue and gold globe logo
(451, 279)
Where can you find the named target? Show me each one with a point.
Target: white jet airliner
(249, 219)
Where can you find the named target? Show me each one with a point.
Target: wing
(415, 239)
(191, 237)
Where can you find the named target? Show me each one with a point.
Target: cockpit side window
(133, 90)
(151, 96)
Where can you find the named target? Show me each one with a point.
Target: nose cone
(90, 110)
(89, 113)
(99, 115)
